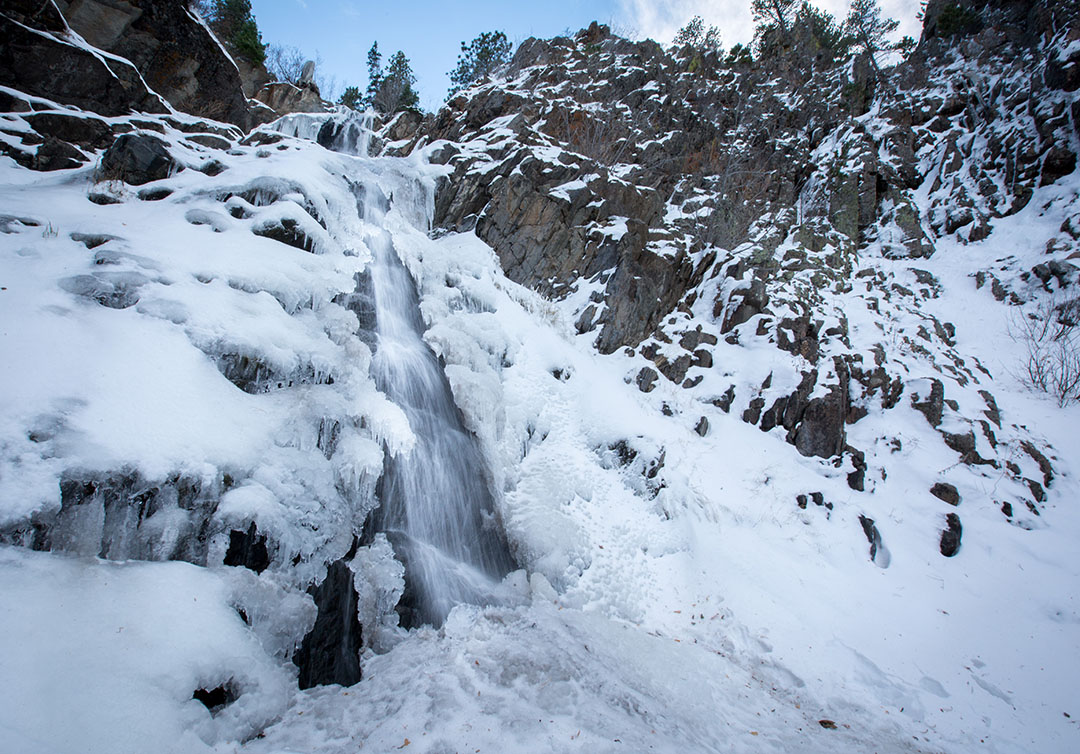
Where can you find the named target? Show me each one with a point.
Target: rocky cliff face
(676, 203)
(176, 54)
(156, 52)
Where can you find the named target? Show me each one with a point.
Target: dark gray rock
(950, 536)
(102, 514)
(821, 432)
(947, 492)
(55, 154)
(247, 549)
(934, 404)
(878, 552)
(83, 130)
(752, 414)
(45, 65)
(1059, 162)
(798, 335)
(752, 301)
(116, 290)
(857, 479)
(646, 379)
(217, 698)
(964, 444)
(176, 56)
(330, 653)
(992, 413)
(288, 232)
(1040, 458)
(138, 159)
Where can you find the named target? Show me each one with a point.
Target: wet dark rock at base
(330, 653)
(247, 549)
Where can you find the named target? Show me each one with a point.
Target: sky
(430, 32)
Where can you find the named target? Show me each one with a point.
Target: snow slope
(673, 596)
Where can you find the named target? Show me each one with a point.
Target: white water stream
(436, 507)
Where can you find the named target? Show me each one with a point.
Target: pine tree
(396, 91)
(479, 58)
(698, 36)
(374, 71)
(739, 55)
(777, 13)
(869, 31)
(351, 97)
(232, 23)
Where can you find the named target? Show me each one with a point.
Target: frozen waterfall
(436, 507)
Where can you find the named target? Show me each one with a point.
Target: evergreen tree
(396, 91)
(739, 55)
(232, 23)
(868, 30)
(480, 58)
(374, 72)
(824, 27)
(698, 36)
(351, 97)
(773, 39)
(778, 13)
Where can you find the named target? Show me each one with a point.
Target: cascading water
(435, 504)
(344, 130)
(436, 507)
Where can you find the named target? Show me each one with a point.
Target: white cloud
(660, 19)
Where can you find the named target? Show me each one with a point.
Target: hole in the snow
(216, 699)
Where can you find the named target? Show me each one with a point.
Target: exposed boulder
(646, 379)
(56, 155)
(821, 432)
(950, 536)
(85, 131)
(946, 492)
(933, 405)
(138, 159)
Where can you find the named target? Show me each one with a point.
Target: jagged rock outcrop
(667, 191)
(39, 57)
(177, 55)
(158, 52)
(283, 98)
(138, 159)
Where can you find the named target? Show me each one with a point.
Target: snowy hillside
(502, 432)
